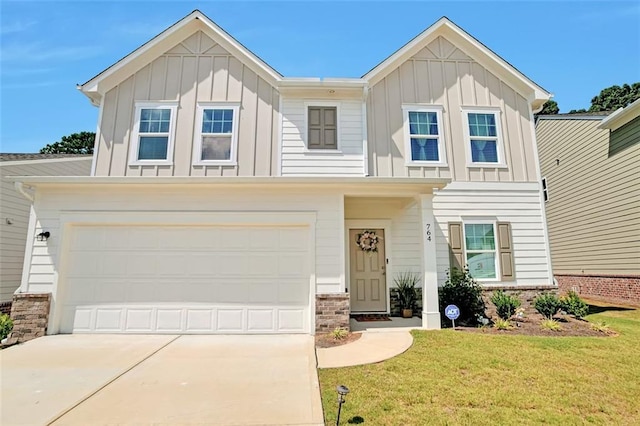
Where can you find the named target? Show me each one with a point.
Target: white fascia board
(468, 44)
(94, 90)
(322, 82)
(621, 116)
(45, 160)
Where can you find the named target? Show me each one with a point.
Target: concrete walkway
(372, 347)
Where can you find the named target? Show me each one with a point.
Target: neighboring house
(226, 198)
(14, 209)
(592, 186)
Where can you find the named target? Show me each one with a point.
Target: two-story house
(226, 198)
(591, 184)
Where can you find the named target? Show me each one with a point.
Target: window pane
(153, 148)
(423, 123)
(482, 265)
(216, 148)
(424, 149)
(482, 125)
(217, 121)
(484, 151)
(155, 120)
(479, 236)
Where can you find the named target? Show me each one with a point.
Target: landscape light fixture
(342, 392)
(43, 236)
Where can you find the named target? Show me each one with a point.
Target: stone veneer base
(30, 315)
(332, 311)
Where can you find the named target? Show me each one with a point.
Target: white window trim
(197, 145)
(501, 164)
(495, 242)
(135, 134)
(305, 136)
(406, 108)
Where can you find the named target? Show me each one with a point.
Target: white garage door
(186, 279)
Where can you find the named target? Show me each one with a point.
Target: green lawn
(456, 378)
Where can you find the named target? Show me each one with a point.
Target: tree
(75, 143)
(550, 107)
(614, 97)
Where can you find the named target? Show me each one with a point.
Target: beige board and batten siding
(15, 210)
(298, 160)
(593, 212)
(327, 207)
(196, 70)
(443, 75)
(517, 203)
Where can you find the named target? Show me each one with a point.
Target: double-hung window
(216, 133)
(423, 134)
(484, 138)
(153, 133)
(480, 253)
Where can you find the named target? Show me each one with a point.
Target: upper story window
(484, 140)
(322, 127)
(423, 134)
(153, 133)
(216, 136)
(480, 250)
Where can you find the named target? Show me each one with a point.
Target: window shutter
(456, 245)
(323, 128)
(505, 250)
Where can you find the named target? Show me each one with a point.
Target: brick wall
(332, 310)
(30, 315)
(525, 294)
(611, 288)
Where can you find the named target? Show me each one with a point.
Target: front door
(367, 274)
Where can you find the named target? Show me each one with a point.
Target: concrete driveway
(118, 379)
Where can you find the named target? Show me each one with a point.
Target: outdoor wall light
(342, 392)
(43, 236)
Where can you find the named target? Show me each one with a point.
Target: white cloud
(38, 52)
(16, 27)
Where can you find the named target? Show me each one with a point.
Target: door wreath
(368, 241)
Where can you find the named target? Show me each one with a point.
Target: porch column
(430, 305)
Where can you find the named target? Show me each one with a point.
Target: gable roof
(535, 94)
(9, 156)
(96, 87)
(621, 116)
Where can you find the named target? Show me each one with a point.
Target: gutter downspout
(365, 141)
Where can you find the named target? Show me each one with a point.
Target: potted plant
(405, 283)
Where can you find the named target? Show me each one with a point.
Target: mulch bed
(326, 340)
(531, 326)
(371, 317)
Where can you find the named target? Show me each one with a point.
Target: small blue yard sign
(452, 312)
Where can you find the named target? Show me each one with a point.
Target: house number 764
(428, 232)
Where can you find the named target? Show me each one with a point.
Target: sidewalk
(372, 347)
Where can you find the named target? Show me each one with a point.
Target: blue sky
(573, 49)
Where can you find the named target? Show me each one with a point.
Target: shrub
(6, 325)
(406, 283)
(462, 290)
(506, 304)
(502, 324)
(572, 304)
(551, 324)
(339, 333)
(547, 304)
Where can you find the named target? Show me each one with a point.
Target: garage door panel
(187, 279)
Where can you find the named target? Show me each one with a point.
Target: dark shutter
(505, 250)
(323, 128)
(456, 245)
